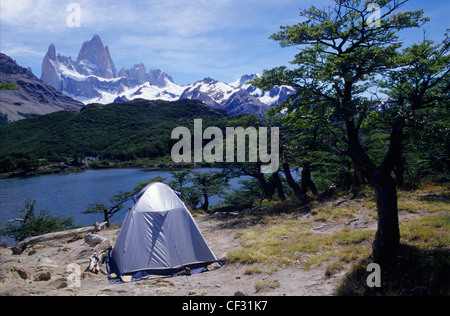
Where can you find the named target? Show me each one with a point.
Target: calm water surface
(70, 194)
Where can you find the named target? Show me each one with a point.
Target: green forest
(373, 100)
(137, 132)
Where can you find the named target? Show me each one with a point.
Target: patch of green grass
(253, 270)
(427, 232)
(257, 269)
(266, 285)
(423, 204)
(290, 241)
(429, 198)
(349, 236)
(421, 267)
(430, 186)
(437, 206)
(333, 269)
(330, 212)
(409, 206)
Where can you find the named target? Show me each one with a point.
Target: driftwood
(99, 253)
(20, 247)
(93, 239)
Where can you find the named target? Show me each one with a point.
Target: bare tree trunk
(307, 181)
(255, 172)
(279, 186)
(21, 246)
(299, 193)
(399, 170)
(268, 193)
(205, 205)
(387, 238)
(357, 181)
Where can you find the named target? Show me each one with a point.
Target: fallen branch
(20, 247)
(353, 220)
(339, 203)
(99, 255)
(258, 206)
(93, 239)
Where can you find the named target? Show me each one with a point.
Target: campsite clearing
(20, 275)
(283, 251)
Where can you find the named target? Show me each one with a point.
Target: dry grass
(266, 286)
(293, 242)
(427, 232)
(290, 237)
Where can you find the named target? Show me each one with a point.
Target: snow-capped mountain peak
(243, 82)
(273, 97)
(221, 95)
(93, 78)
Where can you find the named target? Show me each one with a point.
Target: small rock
(87, 275)
(93, 239)
(43, 276)
(61, 283)
(24, 274)
(126, 278)
(214, 266)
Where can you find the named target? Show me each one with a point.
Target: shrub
(31, 224)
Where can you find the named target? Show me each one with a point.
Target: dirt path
(47, 269)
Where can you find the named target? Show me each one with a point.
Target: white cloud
(189, 54)
(21, 50)
(175, 17)
(33, 15)
(200, 37)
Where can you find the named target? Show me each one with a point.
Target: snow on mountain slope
(272, 98)
(221, 95)
(210, 91)
(146, 91)
(74, 75)
(93, 78)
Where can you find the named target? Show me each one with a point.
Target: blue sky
(189, 39)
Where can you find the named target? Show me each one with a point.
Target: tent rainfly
(159, 237)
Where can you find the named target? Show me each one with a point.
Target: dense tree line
(343, 60)
(117, 132)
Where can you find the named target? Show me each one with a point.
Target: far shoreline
(65, 168)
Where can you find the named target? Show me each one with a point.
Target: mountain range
(93, 78)
(34, 97)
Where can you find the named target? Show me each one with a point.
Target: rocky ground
(49, 269)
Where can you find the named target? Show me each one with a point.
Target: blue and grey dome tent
(159, 237)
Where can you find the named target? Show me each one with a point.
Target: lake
(69, 194)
